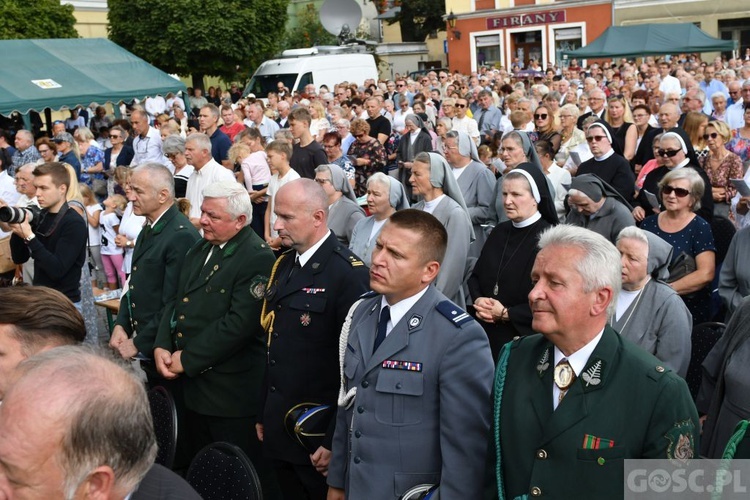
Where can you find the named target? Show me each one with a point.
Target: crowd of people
(604, 207)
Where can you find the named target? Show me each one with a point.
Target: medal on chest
(564, 375)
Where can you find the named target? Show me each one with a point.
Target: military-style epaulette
(455, 314)
(369, 295)
(352, 259)
(657, 372)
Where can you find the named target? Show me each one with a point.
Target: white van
(324, 65)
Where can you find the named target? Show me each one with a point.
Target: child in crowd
(112, 255)
(278, 154)
(93, 212)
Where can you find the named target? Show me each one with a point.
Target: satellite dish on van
(340, 18)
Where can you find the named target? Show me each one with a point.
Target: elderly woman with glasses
(677, 153)
(722, 166)
(366, 153)
(343, 210)
(693, 263)
(174, 149)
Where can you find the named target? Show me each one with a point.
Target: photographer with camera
(25, 195)
(55, 236)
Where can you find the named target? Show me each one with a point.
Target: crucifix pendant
(495, 290)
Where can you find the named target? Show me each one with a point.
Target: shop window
(566, 39)
(488, 50)
(736, 29)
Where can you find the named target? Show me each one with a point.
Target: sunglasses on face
(595, 138)
(712, 135)
(540, 116)
(669, 153)
(460, 105)
(678, 192)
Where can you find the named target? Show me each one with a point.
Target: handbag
(308, 424)
(6, 261)
(683, 265)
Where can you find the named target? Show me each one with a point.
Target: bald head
(95, 436)
(301, 209)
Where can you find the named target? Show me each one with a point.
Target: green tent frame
(72, 72)
(651, 40)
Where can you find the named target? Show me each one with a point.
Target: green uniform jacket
(624, 396)
(157, 260)
(215, 322)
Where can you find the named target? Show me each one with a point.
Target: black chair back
(222, 470)
(164, 415)
(704, 337)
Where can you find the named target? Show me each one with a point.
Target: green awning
(38, 74)
(651, 40)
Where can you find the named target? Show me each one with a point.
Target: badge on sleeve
(258, 287)
(681, 439)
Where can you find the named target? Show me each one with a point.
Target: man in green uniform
(157, 259)
(210, 338)
(573, 403)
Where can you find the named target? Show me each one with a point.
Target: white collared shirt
(308, 254)
(577, 361)
(400, 308)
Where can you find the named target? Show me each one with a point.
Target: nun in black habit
(501, 280)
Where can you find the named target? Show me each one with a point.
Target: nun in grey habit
(367, 230)
(343, 210)
(446, 203)
(477, 186)
(613, 214)
(649, 312)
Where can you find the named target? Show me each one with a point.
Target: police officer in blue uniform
(417, 372)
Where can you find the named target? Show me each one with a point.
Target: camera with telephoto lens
(17, 215)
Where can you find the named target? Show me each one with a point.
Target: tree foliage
(225, 38)
(309, 31)
(36, 19)
(419, 18)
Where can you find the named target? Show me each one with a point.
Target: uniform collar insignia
(414, 321)
(543, 363)
(592, 376)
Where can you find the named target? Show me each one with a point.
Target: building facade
(513, 32)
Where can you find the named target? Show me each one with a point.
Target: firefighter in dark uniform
(312, 287)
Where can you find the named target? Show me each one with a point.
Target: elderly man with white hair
(25, 153)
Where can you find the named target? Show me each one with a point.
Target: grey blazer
(425, 422)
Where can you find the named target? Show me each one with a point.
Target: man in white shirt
(668, 82)
(736, 112)
(155, 106)
(206, 171)
(147, 141)
(463, 123)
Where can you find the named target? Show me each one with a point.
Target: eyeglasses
(447, 148)
(400, 85)
(712, 135)
(678, 192)
(359, 136)
(321, 181)
(170, 156)
(114, 136)
(460, 105)
(566, 116)
(669, 153)
(541, 116)
(595, 138)
(42, 151)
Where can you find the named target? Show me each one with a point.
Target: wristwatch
(29, 238)
(129, 244)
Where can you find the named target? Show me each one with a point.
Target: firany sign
(530, 19)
